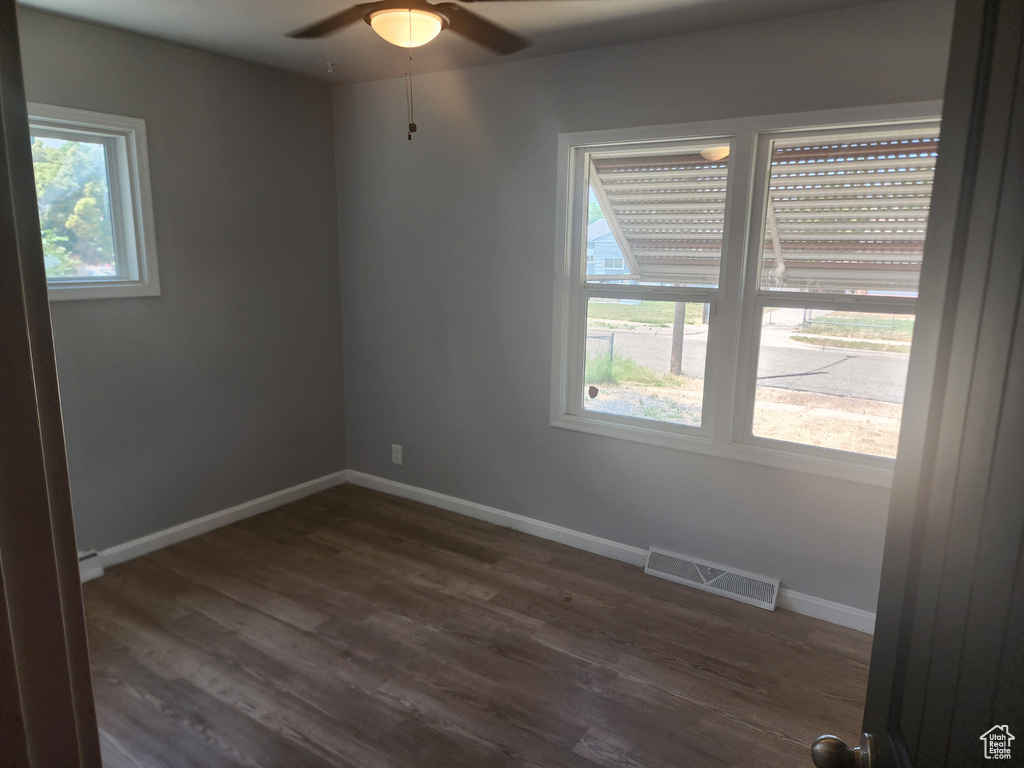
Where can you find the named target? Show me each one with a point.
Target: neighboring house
(604, 257)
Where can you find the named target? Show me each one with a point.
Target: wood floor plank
(351, 628)
(249, 641)
(186, 711)
(114, 755)
(334, 740)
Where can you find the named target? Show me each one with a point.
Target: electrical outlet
(396, 454)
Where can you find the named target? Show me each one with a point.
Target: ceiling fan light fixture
(395, 25)
(715, 153)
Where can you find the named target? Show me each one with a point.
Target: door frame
(47, 713)
(948, 442)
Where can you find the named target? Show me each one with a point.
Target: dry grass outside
(678, 402)
(878, 346)
(653, 313)
(841, 423)
(861, 325)
(831, 402)
(688, 389)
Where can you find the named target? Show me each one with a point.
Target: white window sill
(99, 290)
(866, 470)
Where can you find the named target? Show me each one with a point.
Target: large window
(95, 213)
(746, 289)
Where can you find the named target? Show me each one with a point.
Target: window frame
(131, 203)
(734, 328)
(746, 379)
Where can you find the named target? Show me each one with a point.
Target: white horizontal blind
(849, 213)
(666, 212)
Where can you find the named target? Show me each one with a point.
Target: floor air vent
(745, 587)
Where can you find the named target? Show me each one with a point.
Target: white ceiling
(254, 30)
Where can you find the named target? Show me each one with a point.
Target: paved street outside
(813, 393)
(783, 363)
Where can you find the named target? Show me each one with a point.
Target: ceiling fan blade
(480, 30)
(333, 23)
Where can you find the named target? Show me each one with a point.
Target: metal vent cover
(721, 579)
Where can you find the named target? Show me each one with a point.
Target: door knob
(832, 752)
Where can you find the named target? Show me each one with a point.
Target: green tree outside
(74, 207)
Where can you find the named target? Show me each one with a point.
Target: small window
(95, 210)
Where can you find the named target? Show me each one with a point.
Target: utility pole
(678, 325)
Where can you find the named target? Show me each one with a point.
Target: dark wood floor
(356, 629)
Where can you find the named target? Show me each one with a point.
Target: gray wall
(447, 262)
(228, 386)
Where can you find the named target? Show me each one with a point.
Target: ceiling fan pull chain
(408, 84)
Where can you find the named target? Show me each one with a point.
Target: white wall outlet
(396, 454)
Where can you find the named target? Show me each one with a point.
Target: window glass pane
(645, 359)
(847, 213)
(657, 219)
(73, 191)
(832, 379)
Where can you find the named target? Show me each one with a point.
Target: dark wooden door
(948, 652)
(47, 716)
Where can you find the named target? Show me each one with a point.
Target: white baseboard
(808, 605)
(92, 567)
(819, 608)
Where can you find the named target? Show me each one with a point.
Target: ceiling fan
(411, 23)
